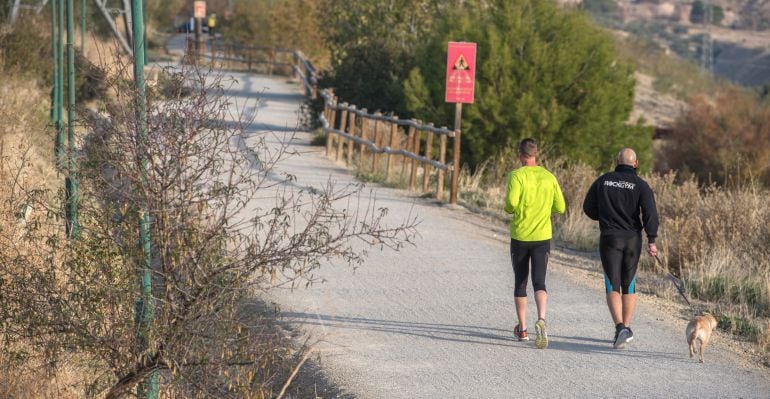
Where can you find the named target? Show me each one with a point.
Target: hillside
(671, 51)
(657, 109)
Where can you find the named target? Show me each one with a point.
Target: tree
(226, 225)
(541, 72)
(162, 13)
(724, 141)
(699, 13)
(373, 46)
(600, 7)
(293, 24)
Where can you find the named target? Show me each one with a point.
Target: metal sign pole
(83, 28)
(60, 84)
(55, 86)
(145, 312)
(456, 154)
(72, 180)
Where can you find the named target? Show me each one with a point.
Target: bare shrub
(725, 141)
(574, 229)
(226, 224)
(717, 239)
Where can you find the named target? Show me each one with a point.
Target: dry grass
(24, 111)
(26, 143)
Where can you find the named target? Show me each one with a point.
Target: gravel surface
(435, 320)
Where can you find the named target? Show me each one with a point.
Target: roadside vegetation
(568, 87)
(709, 175)
(68, 326)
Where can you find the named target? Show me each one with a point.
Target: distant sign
(460, 72)
(200, 9)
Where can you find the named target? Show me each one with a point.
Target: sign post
(460, 82)
(199, 13)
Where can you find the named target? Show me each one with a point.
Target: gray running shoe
(618, 327)
(541, 341)
(625, 336)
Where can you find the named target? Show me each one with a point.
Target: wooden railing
(375, 135)
(376, 143)
(235, 56)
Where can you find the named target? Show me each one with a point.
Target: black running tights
(524, 253)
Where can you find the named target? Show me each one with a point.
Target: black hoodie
(616, 199)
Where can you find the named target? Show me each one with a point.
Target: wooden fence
(234, 56)
(380, 143)
(376, 143)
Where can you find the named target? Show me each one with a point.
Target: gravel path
(436, 320)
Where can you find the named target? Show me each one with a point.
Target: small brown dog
(699, 330)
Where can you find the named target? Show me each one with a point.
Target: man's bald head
(627, 157)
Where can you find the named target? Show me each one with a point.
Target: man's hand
(652, 249)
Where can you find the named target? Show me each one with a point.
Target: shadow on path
(470, 334)
(604, 346)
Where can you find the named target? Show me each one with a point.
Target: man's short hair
(528, 148)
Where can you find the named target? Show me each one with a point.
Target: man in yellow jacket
(532, 195)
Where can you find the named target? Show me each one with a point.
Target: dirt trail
(436, 320)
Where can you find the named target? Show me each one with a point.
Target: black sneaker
(625, 335)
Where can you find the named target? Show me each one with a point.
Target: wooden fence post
(426, 167)
(352, 132)
(416, 150)
(365, 136)
(332, 120)
(442, 159)
(393, 144)
(410, 148)
(376, 156)
(343, 124)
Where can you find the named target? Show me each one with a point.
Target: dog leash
(676, 281)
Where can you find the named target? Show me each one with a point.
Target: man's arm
(591, 202)
(649, 213)
(512, 194)
(559, 205)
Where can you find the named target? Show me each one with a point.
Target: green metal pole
(148, 388)
(144, 30)
(83, 28)
(72, 180)
(60, 85)
(55, 82)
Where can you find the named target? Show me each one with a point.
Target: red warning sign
(199, 9)
(460, 72)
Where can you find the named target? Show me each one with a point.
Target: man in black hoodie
(616, 200)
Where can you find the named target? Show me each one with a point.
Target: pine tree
(542, 72)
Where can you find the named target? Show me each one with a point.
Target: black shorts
(522, 254)
(620, 257)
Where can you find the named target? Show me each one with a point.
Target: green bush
(542, 72)
(26, 48)
(89, 80)
(600, 6)
(698, 13)
(373, 47)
